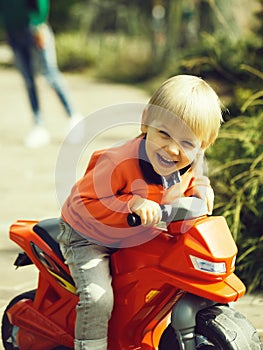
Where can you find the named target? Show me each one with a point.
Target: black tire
(7, 327)
(218, 328)
(169, 341)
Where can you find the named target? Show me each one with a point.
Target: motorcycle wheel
(218, 328)
(9, 330)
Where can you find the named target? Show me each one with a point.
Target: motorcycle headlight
(208, 266)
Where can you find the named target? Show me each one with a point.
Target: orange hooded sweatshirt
(98, 204)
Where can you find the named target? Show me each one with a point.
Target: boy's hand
(201, 188)
(39, 34)
(39, 40)
(149, 211)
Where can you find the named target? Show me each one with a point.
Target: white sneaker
(38, 137)
(75, 129)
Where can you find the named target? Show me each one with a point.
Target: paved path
(27, 186)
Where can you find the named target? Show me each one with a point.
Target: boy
(181, 120)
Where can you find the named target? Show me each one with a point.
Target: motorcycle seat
(48, 230)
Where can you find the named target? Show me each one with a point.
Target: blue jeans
(25, 51)
(89, 267)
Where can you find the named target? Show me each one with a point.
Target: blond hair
(194, 101)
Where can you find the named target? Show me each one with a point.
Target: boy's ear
(144, 127)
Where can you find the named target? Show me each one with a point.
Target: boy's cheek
(190, 155)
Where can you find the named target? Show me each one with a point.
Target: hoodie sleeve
(39, 13)
(100, 193)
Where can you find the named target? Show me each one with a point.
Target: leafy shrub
(113, 57)
(73, 51)
(236, 163)
(123, 59)
(214, 54)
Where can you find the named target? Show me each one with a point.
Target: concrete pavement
(27, 186)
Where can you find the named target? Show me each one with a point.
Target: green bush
(113, 57)
(74, 52)
(123, 59)
(236, 165)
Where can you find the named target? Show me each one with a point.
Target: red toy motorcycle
(171, 293)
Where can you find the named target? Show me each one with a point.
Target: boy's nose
(173, 149)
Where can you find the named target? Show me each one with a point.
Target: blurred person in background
(30, 36)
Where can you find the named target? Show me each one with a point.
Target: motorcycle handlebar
(135, 220)
(182, 209)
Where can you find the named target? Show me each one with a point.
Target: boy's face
(169, 148)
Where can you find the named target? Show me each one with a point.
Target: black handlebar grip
(133, 220)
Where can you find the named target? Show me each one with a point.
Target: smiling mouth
(165, 162)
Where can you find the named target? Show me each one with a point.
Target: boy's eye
(188, 144)
(164, 133)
